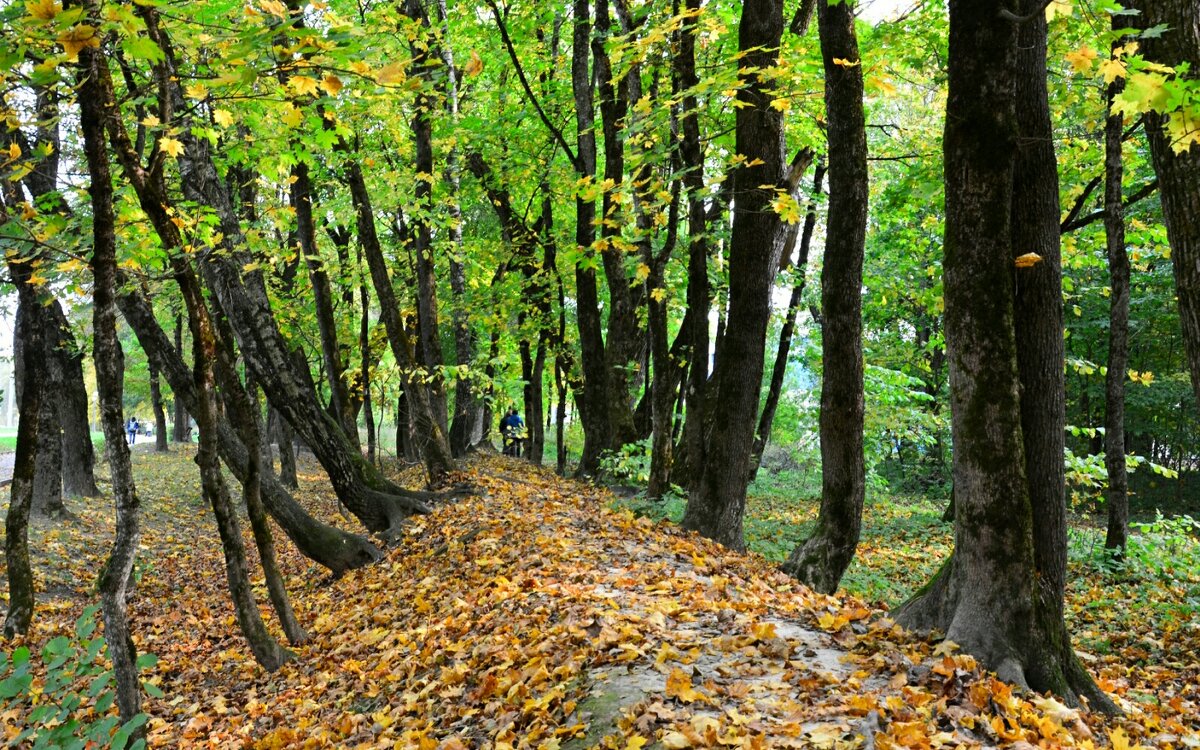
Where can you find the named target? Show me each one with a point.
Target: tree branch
(1139, 194)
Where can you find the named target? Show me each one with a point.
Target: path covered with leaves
(531, 615)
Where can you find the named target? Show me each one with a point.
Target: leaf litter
(530, 615)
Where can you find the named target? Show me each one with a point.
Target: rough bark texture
(335, 549)
(716, 505)
(1117, 496)
(39, 364)
(160, 413)
(1178, 173)
(109, 361)
(822, 559)
(181, 431)
(999, 596)
(16, 521)
(79, 455)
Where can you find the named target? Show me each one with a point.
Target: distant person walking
(512, 428)
(131, 428)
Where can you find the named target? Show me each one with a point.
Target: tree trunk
(181, 429)
(16, 523)
(364, 344)
(717, 504)
(998, 596)
(1178, 172)
(79, 455)
(160, 414)
(109, 362)
(822, 559)
(779, 370)
(335, 549)
(47, 480)
(286, 440)
(1118, 324)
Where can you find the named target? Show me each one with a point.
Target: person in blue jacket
(511, 427)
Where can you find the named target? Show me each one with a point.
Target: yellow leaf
(43, 10)
(1081, 59)
(274, 7)
(14, 152)
(302, 86)
(846, 63)
(360, 67)
(1027, 260)
(197, 91)
(679, 685)
(474, 66)
(390, 74)
(223, 117)
(292, 116)
(76, 38)
(636, 742)
(150, 121)
(1112, 70)
(1058, 8)
(675, 741)
(332, 84)
(170, 147)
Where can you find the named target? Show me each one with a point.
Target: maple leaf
(170, 147)
(391, 74)
(679, 686)
(43, 10)
(76, 38)
(1112, 70)
(1081, 59)
(197, 91)
(331, 84)
(223, 117)
(292, 116)
(474, 65)
(303, 86)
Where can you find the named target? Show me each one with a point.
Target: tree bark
(1178, 172)
(42, 364)
(160, 414)
(1118, 325)
(181, 429)
(109, 362)
(717, 504)
(822, 559)
(999, 595)
(79, 455)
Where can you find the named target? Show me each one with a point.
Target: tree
(999, 595)
(826, 554)
(716, 504)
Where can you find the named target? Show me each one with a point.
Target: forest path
(528, 615)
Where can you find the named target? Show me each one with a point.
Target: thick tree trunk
(1178, 172)
(717, 504)
(782, 352)
(286, 440)
(335, 549)
(160, 413)
(109, 362)
(1118, 326)
(822, 559)
(47, 480)
(999, 596)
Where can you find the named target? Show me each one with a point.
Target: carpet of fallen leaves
(531, 615)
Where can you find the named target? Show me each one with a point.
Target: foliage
(66, 700)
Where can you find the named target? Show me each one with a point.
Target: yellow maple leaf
(76, 38)
(303, 85)
(292, 116)
(331, 84)
(14, 152)
(197, 91)
(636, 742)
(223, 117)
(675, 741)
(1081, 59)
(679, 685)
(151, 121)
(1112, 70)
(43, 10)
(274, 7)
(474, 65)
(1027, 260)
(389, 74)
(1058, 8)
(170, 147)
(1184, 130)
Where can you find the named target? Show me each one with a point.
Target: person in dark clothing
(131, 428)
(511, 429)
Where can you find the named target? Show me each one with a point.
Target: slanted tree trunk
(1118, 325)
(998, 595)
(335, 549)
(782, 352)
(1178, 168)
(160, 413)
(109, 362)
(717, 503)
(822, 559)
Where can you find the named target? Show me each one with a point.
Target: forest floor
(534, 615)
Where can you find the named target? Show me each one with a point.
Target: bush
(71, 707)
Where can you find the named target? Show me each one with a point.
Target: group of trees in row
(319, 194)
